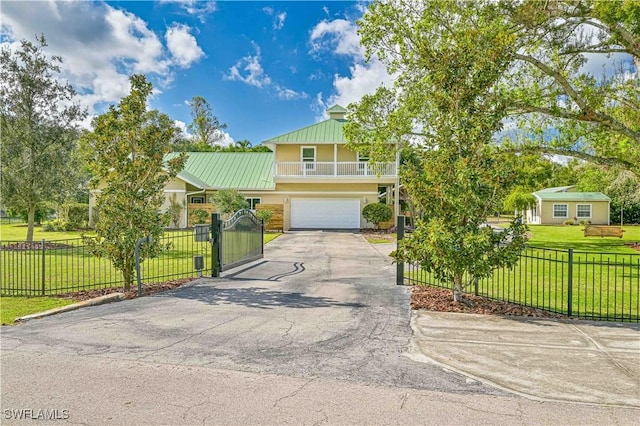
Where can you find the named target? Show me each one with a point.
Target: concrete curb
(108, 298)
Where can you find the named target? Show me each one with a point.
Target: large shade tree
(126, 155)
(39, 126)
(563, 104)
(447, 58)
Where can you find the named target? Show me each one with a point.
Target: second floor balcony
(354, 169)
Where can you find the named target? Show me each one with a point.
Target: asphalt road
(315, 333)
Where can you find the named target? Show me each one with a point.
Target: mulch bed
(147, 290)
(635, 246)
(34, 245)
(441, 300)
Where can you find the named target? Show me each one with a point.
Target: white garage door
(325, 213)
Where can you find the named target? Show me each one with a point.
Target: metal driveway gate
(236, 241)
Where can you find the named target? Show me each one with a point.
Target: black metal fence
(53, 267)
(600, 286)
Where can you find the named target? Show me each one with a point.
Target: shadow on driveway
(256, 297)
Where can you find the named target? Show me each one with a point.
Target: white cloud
(182, 45)
(338, 36)
(364, 79)
(199, 8)
(278, 22)
(101, 46)
(249, 70)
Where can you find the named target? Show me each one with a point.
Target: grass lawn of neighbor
(16, 307)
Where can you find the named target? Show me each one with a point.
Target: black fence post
(216, 238)
(570, 284)
(400, 236)
(44, 263)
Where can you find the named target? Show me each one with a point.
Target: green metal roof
(228, 170)
(337, 108)
(571, 196)
(324, 132)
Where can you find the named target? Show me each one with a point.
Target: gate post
(400, 265)
(216, 240)
(570, 285)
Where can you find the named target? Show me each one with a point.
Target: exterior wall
(366, 192)
(599, 212)
(324, 152)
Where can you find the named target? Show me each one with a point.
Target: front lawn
(572, 236)
(16, 307)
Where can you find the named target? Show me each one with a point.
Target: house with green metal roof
(319, 183)
(310, 179)
(561, 204)
(205, 173)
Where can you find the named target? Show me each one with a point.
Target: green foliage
(39, 128)
(229, 201)
(174, 211)
(448, 57)
(568, 222)
(205, 126)
(126, 153)
(598, 119)
(57, 225)
(41, 213)
(377, 212)
(519, 200)
(265, 215)
(199, 216)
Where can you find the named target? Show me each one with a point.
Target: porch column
(396, 194)
(335, 159)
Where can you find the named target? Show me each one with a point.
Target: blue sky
(266, 67)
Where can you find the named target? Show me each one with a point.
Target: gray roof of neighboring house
(558, 189)
(571, 196)
(228, 170)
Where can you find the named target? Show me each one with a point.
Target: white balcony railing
(339, 169)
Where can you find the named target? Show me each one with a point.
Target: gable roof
(228, 170)
(325, 132)
(558, 189)
(571, 196)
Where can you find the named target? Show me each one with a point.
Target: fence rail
(53, 267)
(600, 286)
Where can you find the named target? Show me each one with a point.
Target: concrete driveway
(315, 333)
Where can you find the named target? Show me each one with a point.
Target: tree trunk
(457, 288)
(31, 216)
(127, 275)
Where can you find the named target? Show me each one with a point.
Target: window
(560, 210)
(253, 203)
(583, 211)
(308, 154)
(197, 200)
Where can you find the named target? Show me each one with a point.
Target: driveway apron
(320, 304)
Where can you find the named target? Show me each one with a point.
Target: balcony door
(308, 158)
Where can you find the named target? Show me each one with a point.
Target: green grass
(566, 237)
(16, 307)
(71, 268)
(18, 232)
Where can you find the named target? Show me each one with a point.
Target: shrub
(57, 225)
(229, 201)
(266, 215)
(199, 215)
(376, 213)
(78, 215)
(584, 222)
(568, 222)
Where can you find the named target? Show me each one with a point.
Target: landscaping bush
(199, 216)
(568, 222)
(57, 225)
(78, 215)
(266, 215)
(376, 213)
